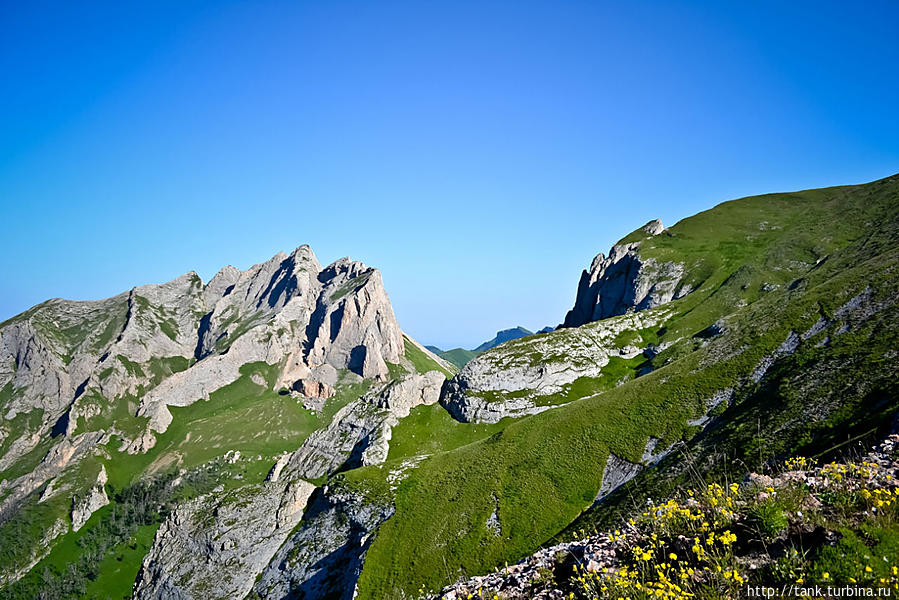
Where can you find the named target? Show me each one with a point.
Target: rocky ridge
(359, 434)
(69, 368)
(314, 320)
(518, 377)
(175, 343)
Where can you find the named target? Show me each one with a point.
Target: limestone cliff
(324, 557)
(213, 547)
(624, 281)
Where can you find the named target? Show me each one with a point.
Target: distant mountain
(504, 336)
(458, 356)
(461, 356)
(547, 330)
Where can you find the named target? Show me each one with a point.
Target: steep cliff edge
(214, 546)
(626, 281)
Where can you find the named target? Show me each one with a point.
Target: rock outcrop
(313, 389)
(360, 432)
(625, 281)
(616, 473)
(62, 454)
(524, 376)
(95, 499)
(215, 546)
(291, 311)
(324, 557)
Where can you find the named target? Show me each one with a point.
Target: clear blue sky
(478, 153)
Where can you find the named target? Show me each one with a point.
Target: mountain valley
(273, 433)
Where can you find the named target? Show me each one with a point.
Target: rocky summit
(720, 403)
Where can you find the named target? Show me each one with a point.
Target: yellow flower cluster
(677, 548)
(838, 472)
(667, 582)
(799, 463)
(880, 498)
(865, 478)
(711, 508)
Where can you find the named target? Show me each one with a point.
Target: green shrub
(769, 519)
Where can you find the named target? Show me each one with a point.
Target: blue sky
(479, 154)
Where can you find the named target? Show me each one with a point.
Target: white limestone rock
(323, 558)
(214, 547)
(360, 432)
(511, 379)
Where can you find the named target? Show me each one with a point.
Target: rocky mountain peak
(174, 343)
(654, 227)
(624, 281)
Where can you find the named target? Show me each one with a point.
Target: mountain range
(273, 433)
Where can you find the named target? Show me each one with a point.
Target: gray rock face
(64, 453)
(45, 354)
(617, 472)
(324, 557)
(624, 282)
(519, 377)
(360, 432)
(95, 498)
(288, 309)
(654, 227)
(216, 545)
(468, 408)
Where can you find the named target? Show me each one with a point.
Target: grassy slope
(822, 401)
(421, 361)
(242, 416)
(541, 472)
(430, 429)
